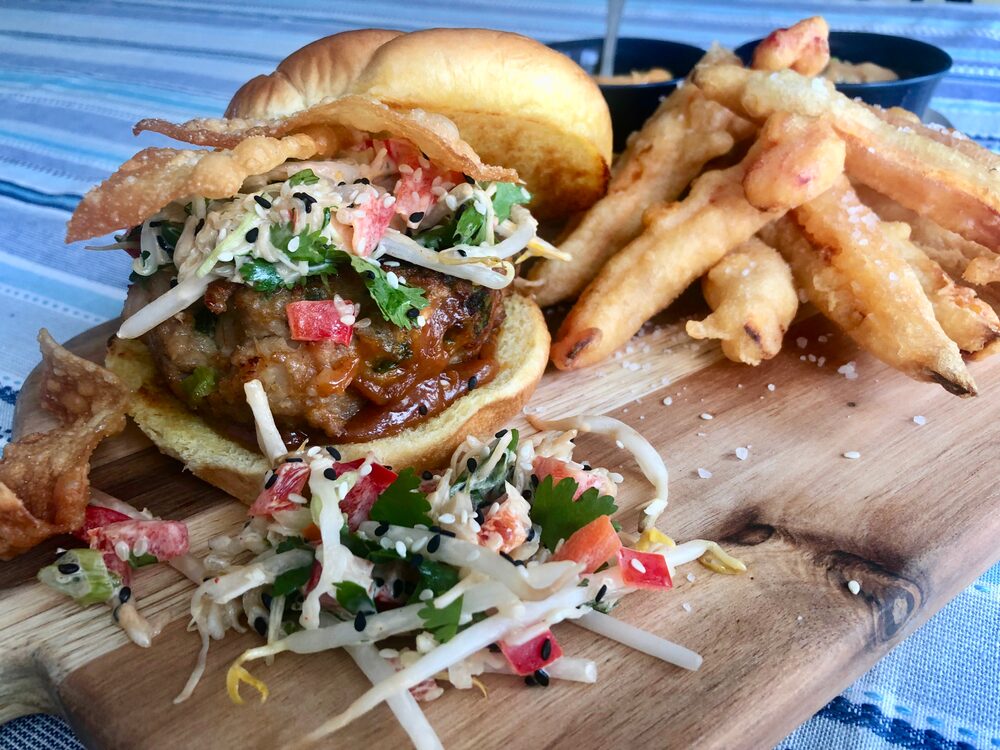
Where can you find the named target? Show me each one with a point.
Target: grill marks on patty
(322, 386)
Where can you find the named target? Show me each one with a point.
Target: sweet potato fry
(966, 319)
(958, 256)
(945, 184)
(754, 301)
(804, 47)
(683, 240)
(684, 134)
(852, 270)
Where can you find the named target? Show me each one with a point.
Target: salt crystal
(686, 607)
(742, 453)
(851, 454)
(620, 444)
(849, 370)
(920, 420)
(668, 401)
(690, 577)
(706, 416)
(770, 386)
(821, 361)
(801, 342)
(822, 339)
(704, 473)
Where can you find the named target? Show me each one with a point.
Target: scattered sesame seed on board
(704, 473)
(854, 587)
(690, 577)
(771, 387)
(686, 607)
(742, 453)
(920, 420)
(851, 454)
(706, 416)
(667, 401)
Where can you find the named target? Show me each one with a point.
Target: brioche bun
(522, 353)
(515, 101)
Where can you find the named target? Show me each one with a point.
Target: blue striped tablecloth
(75, 76)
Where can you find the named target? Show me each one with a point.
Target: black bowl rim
(599, 40)
(879, 85)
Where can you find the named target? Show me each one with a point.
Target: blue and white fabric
(75, 76)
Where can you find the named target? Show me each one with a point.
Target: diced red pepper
(318, 320)
(528, 657)
(314, 576)
(370, 221)
(644, 570)
(288, 478)
(95, 516)
(511, 526)
(544, 466)
(359, 501)
(164, 540)
(403, 152)
(592, 545)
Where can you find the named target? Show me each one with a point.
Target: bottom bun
(522, 353)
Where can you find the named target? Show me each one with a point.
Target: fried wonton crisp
(44, 483)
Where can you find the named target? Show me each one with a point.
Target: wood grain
(914, 520)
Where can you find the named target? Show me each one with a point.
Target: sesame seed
(801, 342)
(667, 401)
(162, 242)
(334, 453)
(920, 420)
(412, 312)
(433, 544)
(531, 532)
(704, 473)
(362, 181)
(262, 201)
(706, 416)
(854, 587)
(530, 681)
(416, 217)
(471, 463)
(293, 460)
(473, 382)
(462, 252)
(638, 565)
(427, 476)
(400, 549)
(155, 224)
(770, 387)
(199, 226)
(507, 557)
(468, 179)
(425, 595)
(330, 473)
(124, 594)
(381, 529)
(271, 479)
(742, 453)
(601, 592)
(422, 408)
(546, 650)
(68, 569)
(851, 454)
(500, 434)
(360, 622)
(542, 677)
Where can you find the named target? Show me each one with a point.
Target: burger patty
(386, 379)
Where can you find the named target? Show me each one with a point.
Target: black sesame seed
(434, 543)
(445, 532)
(173, 283)
(462, 252)
(362, 181)
(473, 382)
(427, 476)
(397, 588)
(546, 650)
(266, 599)
(586, 467)
(543, 677)
(369, 275)
(380, 582)
(852, 404)
(272, 478)
(260, 625)
(412, 313)
(601, 592)
(422, 408)
(252, 235)
(500, 434)
(124, 594)
(330, 473)
(472, 464)
(531, 534)
(293, 460)
(68, 569)
(360, 622)
(530, 681)
(334, 453)
(262, 201)
(155, 224)
(468, 179)
(144, 255)
(341, 183)
(162, 242)
(416, 217)
(417, 560)
(520, 563)
(480, 518)
(381, 529)
(199, 226)
(507, 557)
(495, 648)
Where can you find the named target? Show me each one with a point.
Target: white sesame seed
(920, 420)
(620, 444)
(400, 549)
(690, 577)
(706, 416)
(293, 244)
(638, 565)
(446, 518)
(851, 455)
(770, 387)
(425, 595)
(704, 473)
(854, 587)
(686, 607)
(742, 453)
(668, 401)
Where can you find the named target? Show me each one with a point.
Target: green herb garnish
(559, 515)
(354, 598)
(402, 503)
(291, 580)
(393, 302)
(141, 561)
(442, 623)
(199, 383)
(303, 177)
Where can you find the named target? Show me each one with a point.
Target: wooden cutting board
(914, 520)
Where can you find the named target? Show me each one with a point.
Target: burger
(347, 237)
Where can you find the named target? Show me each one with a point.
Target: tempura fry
(947, 185)
(907, 121)
(685, 133)
(804, 47)
(966, 319)
(958, 256)
(754, 301)
(852, 270)
(683, 240)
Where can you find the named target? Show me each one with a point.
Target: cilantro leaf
(439, 237)
(141, 561)
(436, 576)
(304, 177)
(508, 194)
(261, 275)
(292, 580)
(402, 504)
(559, 515)
(470, 227)
(393, 302)
(491, 487)
(354, 598)
(281, 235)
(171, 231)
(292, 542)
(442, 623)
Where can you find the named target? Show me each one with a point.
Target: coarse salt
(920, 420)
(706, 416)
(668, 401)
(742, 453)
(851, 454)
(801, 342)
(770, 387)
(704, 473)
(686, 607)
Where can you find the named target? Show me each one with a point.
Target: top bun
(515, 101)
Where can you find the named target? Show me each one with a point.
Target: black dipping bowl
(919, 65)
(631, 104)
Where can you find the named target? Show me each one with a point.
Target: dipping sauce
(653, 75)
(841, 71)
